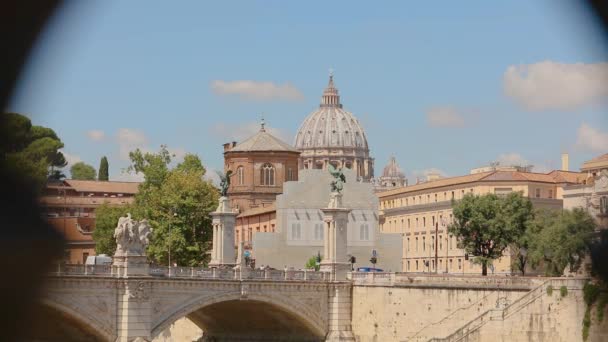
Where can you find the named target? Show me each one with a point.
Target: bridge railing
(444, 280)
(192, 273)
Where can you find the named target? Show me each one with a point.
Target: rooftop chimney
(565, 162)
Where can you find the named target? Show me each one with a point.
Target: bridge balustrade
(193, 273)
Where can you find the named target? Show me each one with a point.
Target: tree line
(546, 240)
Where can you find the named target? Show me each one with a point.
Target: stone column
(224, 220)
(340, 314)
(336, 222)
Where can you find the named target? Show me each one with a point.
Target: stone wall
(441, 308)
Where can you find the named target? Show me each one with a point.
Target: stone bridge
(97, 303)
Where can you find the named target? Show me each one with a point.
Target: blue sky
(438, 84)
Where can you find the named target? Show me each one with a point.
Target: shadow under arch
(52, 321)
(258, 317)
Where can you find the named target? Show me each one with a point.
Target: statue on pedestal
(132, 237)
(224, 182)
(339, 179)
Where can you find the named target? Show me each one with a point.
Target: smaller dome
(392, 175)
(392, 169)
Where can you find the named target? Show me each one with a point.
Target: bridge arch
(204, 309)
(57, 316)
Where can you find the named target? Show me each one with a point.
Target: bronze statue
(224, 182)
(339, 179)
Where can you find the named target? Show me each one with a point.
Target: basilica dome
(331, 135)
(330, 126)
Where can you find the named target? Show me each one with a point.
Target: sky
(442, 86)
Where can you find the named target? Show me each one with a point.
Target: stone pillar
(335, 239)
(134, 311)
(340, 314)
(224, 220)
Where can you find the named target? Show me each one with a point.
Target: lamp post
(170, 241)
(447, 242)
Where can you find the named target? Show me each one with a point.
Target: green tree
(312, 262)
(154, 166)
(106, 218)
(563, 240)
(82, 171)
(177, 202)
(486, 225)
(32, 151)
(104, 174)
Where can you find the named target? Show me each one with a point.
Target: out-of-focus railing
(192, 273)
(445, 280)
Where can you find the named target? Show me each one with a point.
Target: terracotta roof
(556, 176)
(103, 186)
(258, 211)
(601, 160)
(436, 183)
(567, 176)
(263, 141)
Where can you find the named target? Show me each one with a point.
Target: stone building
(332, 135)
(299, 224)
(69, 206)
(422, 213)
(260, 165)
(592, 194)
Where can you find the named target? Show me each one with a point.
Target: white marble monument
(224, 219)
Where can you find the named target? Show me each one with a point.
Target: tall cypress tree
(103, 174)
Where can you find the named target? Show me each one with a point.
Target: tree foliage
(177, 203)
(560, 239)
(599, 255)
(486, 225)
(82, 171)
(32, 151)
(105, 223)
(104, 173)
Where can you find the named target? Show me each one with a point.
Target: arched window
(240, 175)
(267, 174)
(604, 205)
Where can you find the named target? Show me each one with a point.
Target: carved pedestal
(130, 265)
(224, 220)
(335, 239)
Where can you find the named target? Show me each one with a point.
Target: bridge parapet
(404, 279)
(192, 273)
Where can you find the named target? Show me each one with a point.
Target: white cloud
(96, 135)
(240, 132)
(516, 159)
(550, 85)
(177, 154)
(129, 177)
(422, 174)
(254, 90)
(130, 139)
(70, 158)
(591, 139)
(512, 159)
(444, 117)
